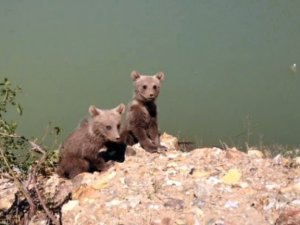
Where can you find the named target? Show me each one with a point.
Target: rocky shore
(206, 186)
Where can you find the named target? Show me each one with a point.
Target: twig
(224, 145)
(7, 176)
(19, 185)
(37, 148)
(31, 179)
(10, 135)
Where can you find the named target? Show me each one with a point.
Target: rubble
(206, 186)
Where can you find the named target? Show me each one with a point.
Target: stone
(169, 141)
(198, 174)
(297, 161)
(86, 193)
(291, 188)
(57, 190)
(70, 206)
(8, 191)
(278, 160)
(255, 153)
(231, 204)
(206, 186)
(176, 204)
(103, 180)
(232, 177)
(234, 154)
(290, 216)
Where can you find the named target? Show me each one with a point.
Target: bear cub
(141, 117)
(81, 150)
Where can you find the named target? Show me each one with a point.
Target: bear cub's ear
(160, 76)
(94, 111)
(120, 108)
(135, 75)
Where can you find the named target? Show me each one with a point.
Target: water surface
(226, 64)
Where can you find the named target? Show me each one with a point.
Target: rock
(174, 203)
(8, 191)
(83, 179)
(291, 188)
(166, 221)
(289, 216)
(130, 151)
(86, 193)
(272, 186)
(234, 154)
(297, 161)
(57, 190)
(278, 160)
(255, 153)
(198, 174)
(232, 177)
(213, 181)
(296, 203)
(169, 141)
(103, 180)
(206, 186)
(231, 204)
(39, 219)
(70, 206)
(202, 190)
(173, 182)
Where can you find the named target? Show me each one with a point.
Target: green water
(227, 63)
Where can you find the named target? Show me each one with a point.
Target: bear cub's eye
(154, 87)
(118, 126)
(144, 87)
(108, 127)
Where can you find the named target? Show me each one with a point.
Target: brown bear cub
(81, 150)
(141, 118)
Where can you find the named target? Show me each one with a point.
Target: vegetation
(10, 144)
(23, 171)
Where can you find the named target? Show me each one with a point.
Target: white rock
(7, 193)
(296, 202)
(272, 186)
(114, 202)
(173, 182)
(231, 205)
(70, 205)
(278, 160)
(297, 160)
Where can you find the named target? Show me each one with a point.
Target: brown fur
(81, 150)
(141, 118)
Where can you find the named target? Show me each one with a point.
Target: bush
(36, 161)
(10, 143)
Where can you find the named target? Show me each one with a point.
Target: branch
(38, 149)
(19, 185)
(10, 135)
(31, 179)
